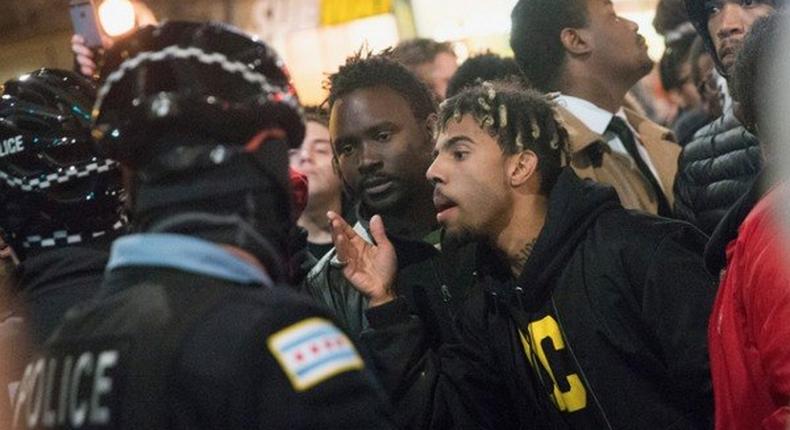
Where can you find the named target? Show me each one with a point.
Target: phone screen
(86, 22)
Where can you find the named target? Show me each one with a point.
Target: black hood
(574, 206)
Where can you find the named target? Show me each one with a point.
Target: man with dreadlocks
(381, 132)
(584, 315)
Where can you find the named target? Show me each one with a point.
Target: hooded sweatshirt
(604, 328)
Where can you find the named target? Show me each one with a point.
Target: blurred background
(313, 36)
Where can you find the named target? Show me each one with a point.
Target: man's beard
(463, 235)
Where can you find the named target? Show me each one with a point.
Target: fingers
(339, 235)
(78, 48)
(85, 61)
(378, 231)
(88, 71)
(84, 55)
(340, 225)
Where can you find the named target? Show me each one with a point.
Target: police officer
(190, 328)
(60, 208)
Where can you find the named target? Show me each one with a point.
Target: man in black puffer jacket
(719, 164)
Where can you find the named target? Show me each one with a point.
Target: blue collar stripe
(185, 253)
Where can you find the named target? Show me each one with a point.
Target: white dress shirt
(597, 119)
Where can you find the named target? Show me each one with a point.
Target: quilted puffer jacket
(715, 169)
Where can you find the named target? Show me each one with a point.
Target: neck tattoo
(523, 256)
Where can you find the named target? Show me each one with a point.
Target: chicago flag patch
(312, 351)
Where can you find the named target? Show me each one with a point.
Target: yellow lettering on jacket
(571, 400)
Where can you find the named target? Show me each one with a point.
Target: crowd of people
(508, 243)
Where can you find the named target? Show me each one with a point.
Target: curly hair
(367, 70)
(483, 67)
(535, 37)
(520, 119)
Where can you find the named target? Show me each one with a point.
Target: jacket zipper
(579, 366)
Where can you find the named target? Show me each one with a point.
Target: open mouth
(642, 42)
(444, 206)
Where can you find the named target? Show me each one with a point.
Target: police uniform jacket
(604, 329)
(51, 282)
(184, 335)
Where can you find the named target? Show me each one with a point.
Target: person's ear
(430, 125)
(523, 168)
(576, 41)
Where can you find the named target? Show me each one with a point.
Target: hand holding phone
(84, 58)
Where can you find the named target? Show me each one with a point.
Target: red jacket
(749, 330)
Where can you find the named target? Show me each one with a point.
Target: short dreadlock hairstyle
(520, 119)
(372, 70)
(483, 67)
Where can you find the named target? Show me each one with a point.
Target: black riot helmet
(203, 116)
(55, 189)
(207, 78)
(699, 12)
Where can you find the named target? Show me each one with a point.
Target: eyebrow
(373, 129)
(451, 142)
(380, 126)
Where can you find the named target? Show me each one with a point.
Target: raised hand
(371, 268)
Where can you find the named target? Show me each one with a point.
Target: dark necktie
(621, 130)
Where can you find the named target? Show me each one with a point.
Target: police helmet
(55, 189)
(207, 78)
(203, 115)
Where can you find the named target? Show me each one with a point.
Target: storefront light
(117, 17)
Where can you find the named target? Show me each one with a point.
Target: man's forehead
(467, 127)
(368, 107)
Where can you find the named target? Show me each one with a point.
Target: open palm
(370, 268)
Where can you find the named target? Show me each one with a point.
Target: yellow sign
(339, 11)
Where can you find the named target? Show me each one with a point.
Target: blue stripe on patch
(296, 342)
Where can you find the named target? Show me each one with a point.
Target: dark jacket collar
(574, 206)
(58, 264)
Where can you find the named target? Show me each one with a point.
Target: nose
(304, 154)
(731, 18)
(434, 173)
(632, 24)
(369, 157)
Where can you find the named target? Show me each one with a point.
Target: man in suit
(592, 57)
